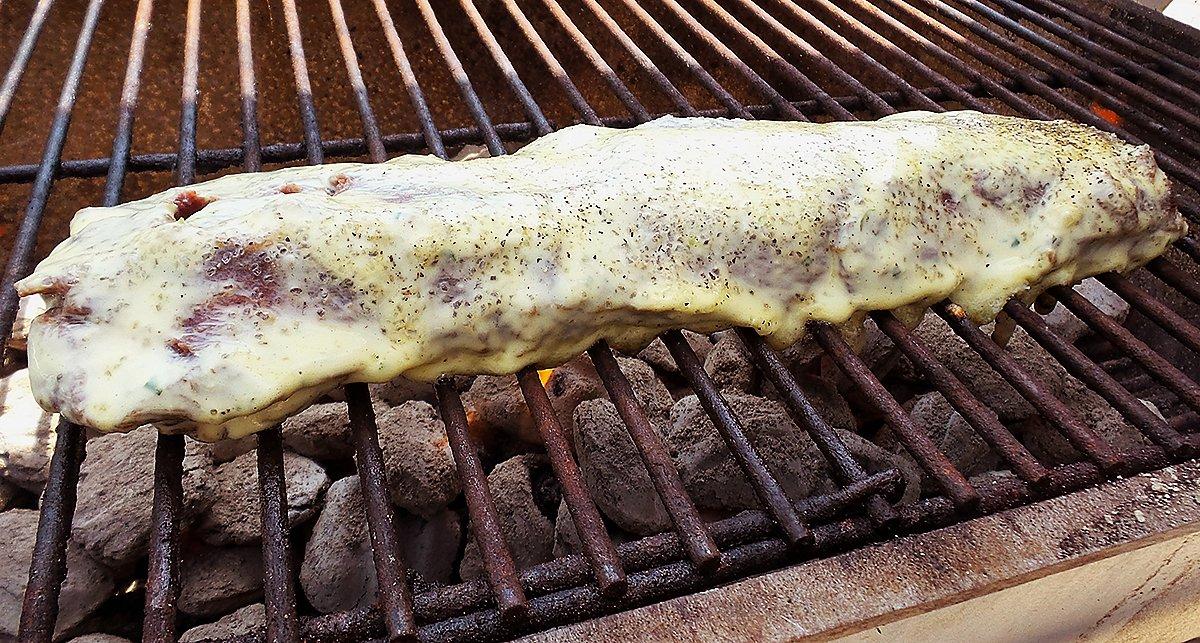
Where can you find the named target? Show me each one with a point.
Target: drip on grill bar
(317, 82)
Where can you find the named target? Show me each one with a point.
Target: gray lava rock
(417, 457)
(876, 348)
(87, 584)
(825, 398)
(496, 402)
(431, 546)
(952, 434)
(1049, 445)
(100, 638)
(320, 432)
(801, 353)
(613, 471)
(709, 471)
(1069, 327)
(728, 364)
(116, 491)
(577, 381)
(26, 434)
(874, 459)
(234, 516)
(657, 355)
(566, 538)
(216, 580)
(227, 450)
(8, 493)
(338, 572)
(401, 390)
(242, 622)
(984, 382)
(529, 533)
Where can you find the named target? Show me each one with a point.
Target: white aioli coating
(292, 282)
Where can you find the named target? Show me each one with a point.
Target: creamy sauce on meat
(223, 307)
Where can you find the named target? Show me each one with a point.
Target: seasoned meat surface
(223, 307)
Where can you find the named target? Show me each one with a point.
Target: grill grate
(1075, 63)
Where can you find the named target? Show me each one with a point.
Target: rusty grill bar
(1079, 63)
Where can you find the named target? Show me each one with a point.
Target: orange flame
(1107, 114)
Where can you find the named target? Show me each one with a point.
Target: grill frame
(667, 564)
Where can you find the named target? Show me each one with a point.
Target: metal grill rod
(1050, 407)
(278, 589)
(610, 577)
(1157, 102)
(485, 525)
(631, 103)
(660, 79)
(465, 88)
(48, 568)
(1037, 87)
(1162, 370)
(766, 487)
(1096, 378)
(128, 105)
(304, 97)
(20, 61)
(20, 256)
(433, 138)
(394, 593)
(346, 46)
(560, 75)
(162, 568)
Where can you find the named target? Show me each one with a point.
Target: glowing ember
(1107, 114)
(544, 375)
